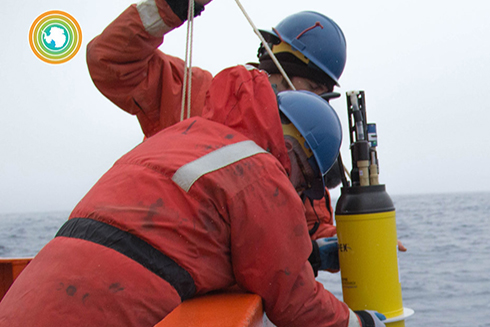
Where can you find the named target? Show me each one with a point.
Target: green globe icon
(55, 37)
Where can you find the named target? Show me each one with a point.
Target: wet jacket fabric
(211, 196)
(146, 82)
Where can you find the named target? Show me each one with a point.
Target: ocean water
(445, 273)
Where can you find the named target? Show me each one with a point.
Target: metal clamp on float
(366, 226)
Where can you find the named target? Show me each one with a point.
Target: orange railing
(217, 310)
(10, 268)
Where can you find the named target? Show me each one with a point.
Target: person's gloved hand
(329, 253)
(369, 318)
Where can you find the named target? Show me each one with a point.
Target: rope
(187, 82)
(269, 51)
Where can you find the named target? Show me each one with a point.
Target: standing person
(207, 203)
(127, 67)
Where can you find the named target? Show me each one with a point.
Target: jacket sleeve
(320, 217)
(270, 247)
(127, 67)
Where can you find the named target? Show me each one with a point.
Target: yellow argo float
(366, 228)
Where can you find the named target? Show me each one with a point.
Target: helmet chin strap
(302, 174)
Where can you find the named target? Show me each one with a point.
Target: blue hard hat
(315, 36)
(318, 124)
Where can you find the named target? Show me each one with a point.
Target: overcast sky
(424, 66)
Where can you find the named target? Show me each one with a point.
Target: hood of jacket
(242, 98)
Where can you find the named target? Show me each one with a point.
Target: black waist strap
(134, 248)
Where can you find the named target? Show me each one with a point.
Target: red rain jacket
(222, 217)
(128, 69)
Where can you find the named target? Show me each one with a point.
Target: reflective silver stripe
(186, 175)
(151, 19)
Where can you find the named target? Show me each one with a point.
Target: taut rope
(187, 83)
(264, 43)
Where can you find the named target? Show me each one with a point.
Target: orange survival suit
(127, 67)
(199, 206)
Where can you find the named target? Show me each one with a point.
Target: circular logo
(55, 37)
